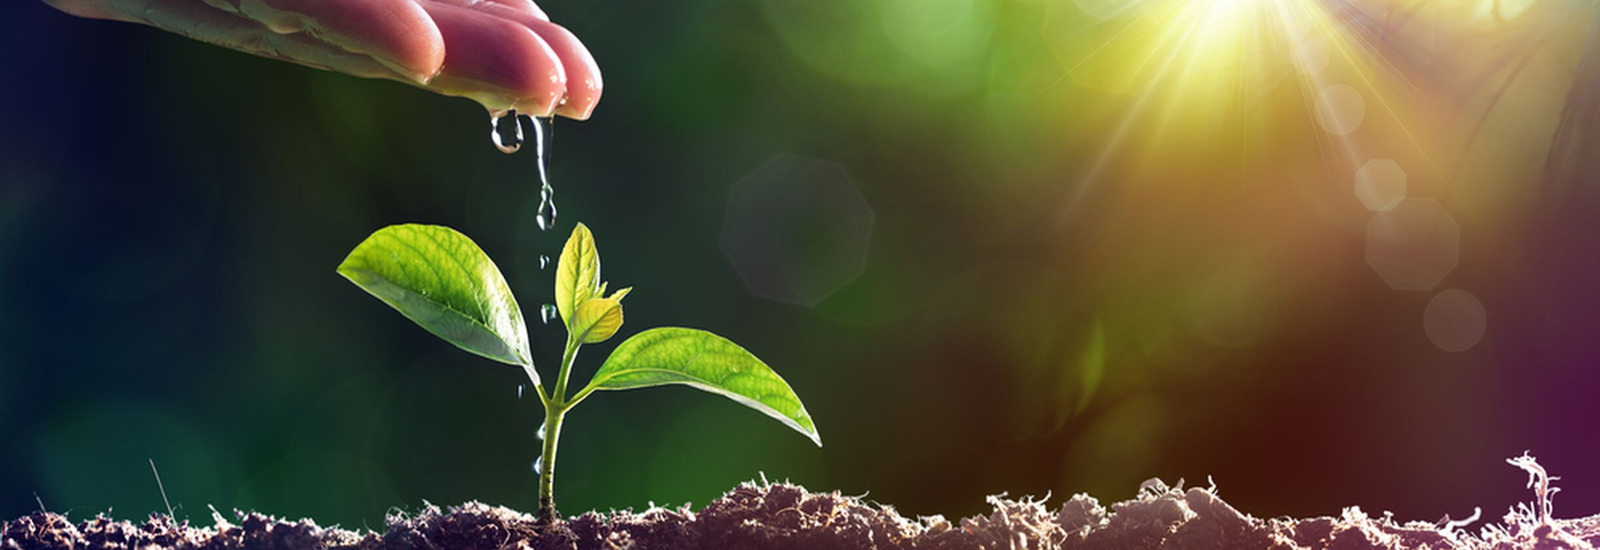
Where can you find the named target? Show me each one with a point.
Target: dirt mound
(784, 516)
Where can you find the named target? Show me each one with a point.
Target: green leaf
(706, 361)
(577, 273)
(597, 320)
(440, 279)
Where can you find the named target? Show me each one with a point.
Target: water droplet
(545, 133)
(538, 465)
(547, 208)
(506, 131)
(540, 435)
(548, 313)
(543, 261)
(519, 391)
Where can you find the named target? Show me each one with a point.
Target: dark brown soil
(783, 516)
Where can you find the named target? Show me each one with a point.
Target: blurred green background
(1000, 305)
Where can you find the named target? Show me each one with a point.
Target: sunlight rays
(1199, 68)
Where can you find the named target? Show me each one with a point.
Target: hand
(505, 54)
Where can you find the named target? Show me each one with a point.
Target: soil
(784, 516)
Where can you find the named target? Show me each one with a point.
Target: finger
(208, 22)
(583, 74)
(501, 64)
(526, 6)
(396, 33)
(93, 10)
(521, 6)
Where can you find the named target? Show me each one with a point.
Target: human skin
(504, 54)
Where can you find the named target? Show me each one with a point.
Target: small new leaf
(441, 280)
(597, 320)
(703, 360)
(577, 274)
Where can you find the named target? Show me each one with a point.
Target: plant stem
(566, 369)
(555, 409)
(553, 414)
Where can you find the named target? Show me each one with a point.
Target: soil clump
(785, 516)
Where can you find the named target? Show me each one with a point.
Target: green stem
(583, 393)
(547, 459)
(566, 369)
(533, 378)
(555, 409)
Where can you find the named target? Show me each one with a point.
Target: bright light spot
(1381, 185)
(1502, 9)
(1455, 320)
(939, 33)
(797, 229)
(1205, 48)
(1415, 245)
(1340, 109)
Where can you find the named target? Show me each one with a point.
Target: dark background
(171, 214)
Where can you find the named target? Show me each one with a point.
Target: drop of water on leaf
(540, 435)
(548, 313)
(506, 132)
(538, 465)
(543, 261)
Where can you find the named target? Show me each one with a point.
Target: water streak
(544, 133)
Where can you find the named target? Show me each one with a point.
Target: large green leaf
(706, 361)
(440, 279)
(577, 273)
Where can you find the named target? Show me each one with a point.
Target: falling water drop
(547, 208)
(543, 261)
(506, 131)
(540, 435)
(519, 391)
(544, 133)
(538, 465)
(548, 313)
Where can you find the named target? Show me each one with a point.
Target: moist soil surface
(784, 516)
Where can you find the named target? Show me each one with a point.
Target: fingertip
(418, 45)
(418, 58)
(526, 6)
(577, 111)
(584, 83)
(502, 64)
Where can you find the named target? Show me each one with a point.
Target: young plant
(440, 279)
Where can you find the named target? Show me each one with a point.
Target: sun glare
(1195, 66)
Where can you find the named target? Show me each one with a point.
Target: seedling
(440, 279)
